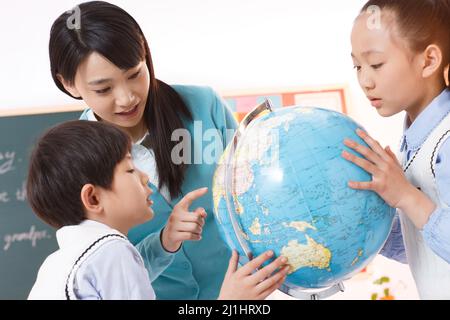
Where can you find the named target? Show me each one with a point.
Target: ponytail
(112, 32)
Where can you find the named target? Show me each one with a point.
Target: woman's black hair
(66, 158)
(421, 22)
(110, 31)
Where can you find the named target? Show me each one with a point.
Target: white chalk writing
(33, 236)
(4, 197)
(6, 162)
(21, 194)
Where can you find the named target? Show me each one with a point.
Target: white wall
(229, 45)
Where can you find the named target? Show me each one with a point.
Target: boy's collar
(67, 235)
(93, 223)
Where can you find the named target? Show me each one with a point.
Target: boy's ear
(432, 60)
(90, 197)
(69, 87)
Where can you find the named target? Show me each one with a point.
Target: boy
(82, 181)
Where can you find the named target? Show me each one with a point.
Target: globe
(282, 184)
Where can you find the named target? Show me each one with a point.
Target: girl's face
(389, 73)
(116, 96)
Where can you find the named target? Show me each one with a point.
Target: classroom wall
(229, 45)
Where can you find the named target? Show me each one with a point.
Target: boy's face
(388, 72)
(127, 204)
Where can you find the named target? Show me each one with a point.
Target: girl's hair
(66, 158)
(110, 31)
(421, 22)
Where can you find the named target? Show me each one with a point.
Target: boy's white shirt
(93, 261)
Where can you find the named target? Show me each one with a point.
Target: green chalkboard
(25, 241)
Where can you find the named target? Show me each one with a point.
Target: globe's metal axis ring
(229, 163)
(291, 290)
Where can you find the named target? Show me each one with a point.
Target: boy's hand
(388, 179)
(241, 284)
(182, 224)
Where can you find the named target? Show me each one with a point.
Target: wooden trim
(278, 90)
(41, 110)
(342, 89)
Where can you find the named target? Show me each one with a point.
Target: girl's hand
(389, 180)
(241, 284)
(183, 224)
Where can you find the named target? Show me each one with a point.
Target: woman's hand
(388, 179)
(242, 284)
(183, 224)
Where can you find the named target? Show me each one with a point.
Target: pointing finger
(191, 197)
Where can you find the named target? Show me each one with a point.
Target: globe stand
(300, 293)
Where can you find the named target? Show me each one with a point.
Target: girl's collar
(417, 132)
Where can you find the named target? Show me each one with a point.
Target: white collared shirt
(115, 271)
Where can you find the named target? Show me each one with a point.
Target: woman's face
(116, 96)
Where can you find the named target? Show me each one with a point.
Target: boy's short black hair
(66, 158)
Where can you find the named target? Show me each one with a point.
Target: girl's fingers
(268, 270)
(361, 185)
(392, 155)
(373, 144)
(364, 151)
(360, 162)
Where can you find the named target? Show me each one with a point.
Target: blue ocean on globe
(283, 186)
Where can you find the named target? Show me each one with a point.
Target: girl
(98, 53)
(401, 50)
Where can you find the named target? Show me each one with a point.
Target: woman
(100, 55)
